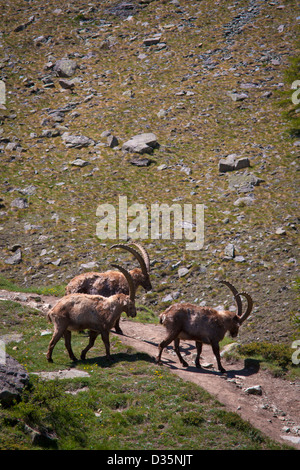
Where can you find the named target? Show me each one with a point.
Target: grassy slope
(197, 130)
(200, 126)
(129, 405)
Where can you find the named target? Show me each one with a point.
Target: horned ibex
(202, 325)
(98, 314)
(113, 282)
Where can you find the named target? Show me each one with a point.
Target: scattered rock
(29, 190)
(229, 252)
(239, 259)
(170, 297)
(141, 143)
(23, 26)
(62, 374)
(237, 96)
(76, 141)
(79, 162)
(66, 84)
(254, 390)
(16, 258)
(43, 438)
(112, 141)
(152, 40)
(90, 265)
(140, 161)
(231, 163)
(182, 272)
(50, 133)
(280, 231)
(244, 201)
(13, 379)
(20, 203)
(243, 182)
(292, 439)
(65, 68)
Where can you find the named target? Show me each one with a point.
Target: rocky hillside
(207, 79)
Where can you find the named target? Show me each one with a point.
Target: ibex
(202, 325)
(98, 314)
(113, 282)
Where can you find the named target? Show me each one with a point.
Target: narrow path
(276, 412)
(272, 412)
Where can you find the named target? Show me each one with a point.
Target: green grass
(56, 290)
(276, 357)
(129, 404)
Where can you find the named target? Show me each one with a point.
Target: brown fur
(200, 324)
(77, 312)
(107, 283)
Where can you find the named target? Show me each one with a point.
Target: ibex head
(240, 317)
(143, 259)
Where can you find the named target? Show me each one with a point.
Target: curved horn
(236, 296)
(129, 280)
(144, 253)
(249, 306)
(135, 253)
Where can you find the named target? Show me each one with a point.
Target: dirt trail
(276, 412)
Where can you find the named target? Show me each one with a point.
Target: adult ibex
(202, 325)
(113, 282)
(98, 314)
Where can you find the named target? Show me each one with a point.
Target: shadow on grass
(103, 362)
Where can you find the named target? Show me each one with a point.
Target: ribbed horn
(236, 296)
(129, 280)
(135, 253)
(249, 306)
(144, 253)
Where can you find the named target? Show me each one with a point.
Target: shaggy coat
(113, 282)
(98, 314)
(203, 325)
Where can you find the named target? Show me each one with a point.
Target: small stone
(65, 67)
(112, 141)
(141, 143)
(76, 141)
(280, 231)
(229, 251)
(182, 272)
(170, 297)
(162, 167)
(237, 96)
(152, 41)
(90, 265)
(140, 161)
(244, 201)
(66, 84)
(231, 163)
(20, 203)
(57, 262)
(79, 162)
(239, 259)
(16, 258)
(254, 390)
